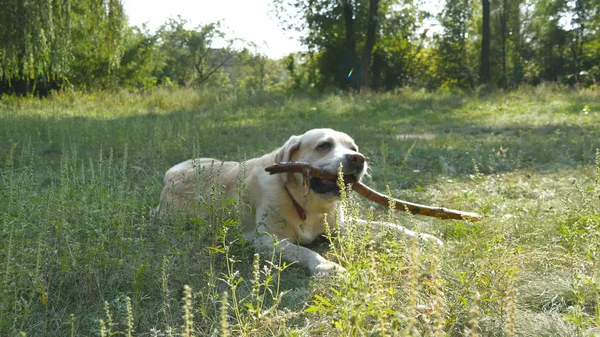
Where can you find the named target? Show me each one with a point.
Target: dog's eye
(324, 146)
(354, 148)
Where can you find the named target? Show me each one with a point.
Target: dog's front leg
(381, 226)
(291, 252)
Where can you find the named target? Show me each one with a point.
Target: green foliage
(454, 67)
(398, 59)
(79, 43)
(88, 45)
(337, 36)
(531, 42)
(190, 58)
(256, 72)
(141, 62)
(31, 44)
(97, 37)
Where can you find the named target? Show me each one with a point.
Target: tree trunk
(484, 74)
(376, 70)
(582, 18)
(369, 44)
(22, 86)
(350, 56)
(504, 36)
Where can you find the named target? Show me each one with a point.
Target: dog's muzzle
(353, 168)
(330, 186)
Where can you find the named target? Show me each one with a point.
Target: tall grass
(80, 256)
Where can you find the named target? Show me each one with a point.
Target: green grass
(80, 257)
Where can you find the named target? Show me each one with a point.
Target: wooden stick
(307, 170)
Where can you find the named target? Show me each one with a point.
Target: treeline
(352, 44)
(392, 43)
(88, 45)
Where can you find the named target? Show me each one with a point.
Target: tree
(360, 66)
(548, 41)
(506, 27)
(354, 42)
(369, 43)
(142, 60)
(97, 37)
(189, 53)
(350, 56)
(484, 74)
(399, 57)
(255, 71)
(453, 65)
(515, 18)
(585, 22)
(40, 40)
(31, 44)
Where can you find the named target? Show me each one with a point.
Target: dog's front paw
(423, 237)
(328, 268)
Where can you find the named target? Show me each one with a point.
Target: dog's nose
(356, 160)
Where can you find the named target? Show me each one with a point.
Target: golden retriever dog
(280, 211)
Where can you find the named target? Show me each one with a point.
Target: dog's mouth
(330, 186)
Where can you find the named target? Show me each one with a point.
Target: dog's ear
(287, 150)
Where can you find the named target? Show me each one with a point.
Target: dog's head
(326, 149)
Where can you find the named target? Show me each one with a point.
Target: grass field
(80, 257)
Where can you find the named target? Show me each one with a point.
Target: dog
(279, 206)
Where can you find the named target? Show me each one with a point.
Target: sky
(245, 19)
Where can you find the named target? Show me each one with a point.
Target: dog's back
(186, 183)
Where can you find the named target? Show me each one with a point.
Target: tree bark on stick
(308, 171)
